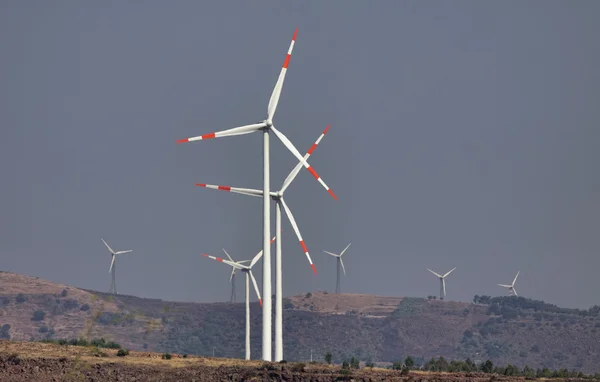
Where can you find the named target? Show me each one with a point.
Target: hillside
(505, 330)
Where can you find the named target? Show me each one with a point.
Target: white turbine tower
(247, 269)
(113, 267)
(265, 126)
(511, 287)
(442, 282)
(278, 198)
(339, 263)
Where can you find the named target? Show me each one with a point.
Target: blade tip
(200, 185)
(182, 141)
(334, 196)
(260, 301)
(327, 129)
(314, 268)
(295, 34)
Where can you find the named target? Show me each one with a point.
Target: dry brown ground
(30, 361)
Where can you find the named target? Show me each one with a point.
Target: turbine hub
(269, 123)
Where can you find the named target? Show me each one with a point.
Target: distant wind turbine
(511, 287)
(232, 277)
(339, 263)
(247, 269)
(111, 270)
(442, 282)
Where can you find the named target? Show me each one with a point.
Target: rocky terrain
(370, 328)
(31, 361)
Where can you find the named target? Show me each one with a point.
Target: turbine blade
(259, 254)
(515, 292)
(515, 280)
(450, 271)
(227, 254)
(227, 133)
(296, 170)
(107, 246)
(112, 262)
(123, 252)
(438, 275)
(244, 191)
(290, 146)
(221, 260)
(505, 286)
(232, 274)
(274, 100)
(295, 226)
(255, 287)
(342, 263)
(332, 254)
(345, 249)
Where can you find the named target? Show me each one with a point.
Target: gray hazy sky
(463, 134)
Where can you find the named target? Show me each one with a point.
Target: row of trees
(535, 305)
(441, 364)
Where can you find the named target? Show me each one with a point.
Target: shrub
(20, 298)
(185, 356)
(299, 367)
(84, 307)
(5, 332)
(166, 356)
(14, 359)
(370, 364)
(43, 329)
(122, 352)
(328, 357)
(308, 295)
(64, 293)
(38, 315)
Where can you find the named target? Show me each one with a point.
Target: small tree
(21, 298)
(328, 357)
(354, 363)
(487, 366)
(166, 356)
(122, 352)
(38, 315)
(409, 362)
(64, 293)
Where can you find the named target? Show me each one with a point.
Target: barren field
(29, 361)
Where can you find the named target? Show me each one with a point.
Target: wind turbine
(247, 269)
(442, 282)
(511, 287)
(265, 126)
(278, 198)
(339, 263)
(111, 270)
(232, 277)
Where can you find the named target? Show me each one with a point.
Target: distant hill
(507, 330)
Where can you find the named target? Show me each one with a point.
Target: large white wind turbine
(113, 267)
(278, 198)
(511, 287)
(442, 282)
(247, 269)
(339, 263)
(265, 126)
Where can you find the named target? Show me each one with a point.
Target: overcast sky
(464, 134)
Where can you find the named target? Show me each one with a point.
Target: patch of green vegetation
(409, 306)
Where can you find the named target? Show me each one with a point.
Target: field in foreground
(30, 361)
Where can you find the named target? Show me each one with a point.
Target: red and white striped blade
(274, 100)
(221, 260)
(295, 226)
(255, 287)
(290, 178)
(259, 254)
(296, 153)
(243, 191)
(226, 133)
